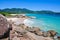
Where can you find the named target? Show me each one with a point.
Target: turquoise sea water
(45, 21)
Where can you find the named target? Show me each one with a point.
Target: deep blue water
(45, 21)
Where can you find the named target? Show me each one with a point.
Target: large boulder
(4, 26)
(52, 33)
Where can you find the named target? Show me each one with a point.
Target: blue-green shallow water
(46, 21)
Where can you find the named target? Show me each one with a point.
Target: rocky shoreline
(23, 32)
(31, 33)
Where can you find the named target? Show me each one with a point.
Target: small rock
(34, 29)
(40, 33)
(48, 34)
(45, 34)
(16, 38)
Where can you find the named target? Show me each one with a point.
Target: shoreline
(22, 28)
(21, 18)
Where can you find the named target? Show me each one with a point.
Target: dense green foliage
(17, 10)
(8, 11)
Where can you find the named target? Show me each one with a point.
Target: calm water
(45, 21)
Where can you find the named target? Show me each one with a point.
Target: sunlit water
(44, 21)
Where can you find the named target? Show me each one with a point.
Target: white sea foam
(28, 22)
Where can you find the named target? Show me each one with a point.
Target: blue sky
(53, 5)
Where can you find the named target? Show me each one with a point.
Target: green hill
(8, 11)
